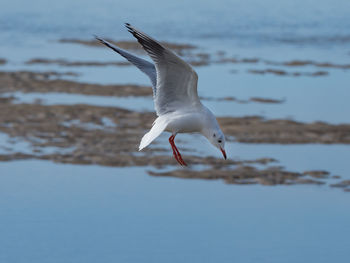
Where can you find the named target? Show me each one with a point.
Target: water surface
(73, 213)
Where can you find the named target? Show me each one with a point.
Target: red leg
(171, 140)
(176, 152)
(179, 156)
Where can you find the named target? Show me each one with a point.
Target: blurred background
(74, 188)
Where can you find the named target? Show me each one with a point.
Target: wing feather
(146, 67)
(176, 80)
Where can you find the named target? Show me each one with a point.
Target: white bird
(176, 101)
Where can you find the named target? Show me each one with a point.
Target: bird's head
(217, 138)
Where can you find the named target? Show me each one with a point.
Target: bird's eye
(219, 141)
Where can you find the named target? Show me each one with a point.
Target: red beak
(223, 153)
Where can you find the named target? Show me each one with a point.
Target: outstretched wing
(146, 67)
(176, 80)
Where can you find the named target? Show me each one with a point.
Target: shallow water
(90, 213)
(300, 30)
(294, 157)
(305, 99)
(71, 213)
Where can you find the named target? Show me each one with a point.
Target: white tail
(158, 127)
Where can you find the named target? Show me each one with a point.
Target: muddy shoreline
(286, 73)
(46, 82)
(246, 129)
(244, 174)
(125, 44)
(109, 136)
(27, 81)
(80, 134)
(197, 57)
(67, 63)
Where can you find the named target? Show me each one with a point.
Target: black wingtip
(130, 28)
(99, 39)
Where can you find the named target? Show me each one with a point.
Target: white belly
(185, 122)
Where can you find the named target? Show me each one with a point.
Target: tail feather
(158, 127)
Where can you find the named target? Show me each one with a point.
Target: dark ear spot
(214, 135)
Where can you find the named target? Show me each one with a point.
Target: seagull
(175, 96)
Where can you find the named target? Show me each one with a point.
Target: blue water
(98, 214)
(243, 21)
(284, 31)
(306, 99)
(71, 213)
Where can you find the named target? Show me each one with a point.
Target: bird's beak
(223, 153)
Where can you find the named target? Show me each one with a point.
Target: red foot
(176, 152)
